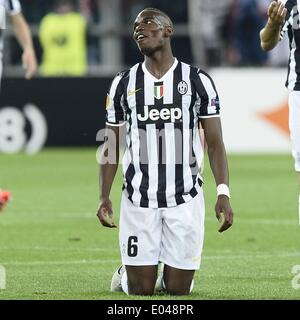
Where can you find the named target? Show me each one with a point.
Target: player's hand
(223, 207)
(276, 13)
(29, 63)
(105, 214)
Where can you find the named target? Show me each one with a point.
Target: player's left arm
(23, 35)
(218, 163)
(270, 34)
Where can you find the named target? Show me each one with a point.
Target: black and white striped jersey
(164, 154)
(292, 27)
(12, 7)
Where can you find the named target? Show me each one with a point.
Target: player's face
(148, 32)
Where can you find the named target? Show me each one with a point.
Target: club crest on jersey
(158, 90)
(182, 87)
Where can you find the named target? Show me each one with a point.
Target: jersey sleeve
(13, 7)
(284, 29)
(115, 109)
(207, 103)
(288, 19)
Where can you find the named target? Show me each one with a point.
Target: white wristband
(222, 189)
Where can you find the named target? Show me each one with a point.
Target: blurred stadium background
(50, 242)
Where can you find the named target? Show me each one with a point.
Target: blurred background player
(246, 22)
(23, 34)
(284, 16)
(213, 24)
(162, 207)
(5, 197)
(63, 38)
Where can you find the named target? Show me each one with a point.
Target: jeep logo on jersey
(158, 90)
(165, 114)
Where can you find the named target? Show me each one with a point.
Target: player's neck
(159, 63)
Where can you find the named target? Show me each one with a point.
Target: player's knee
(177, 288)
(143, 288)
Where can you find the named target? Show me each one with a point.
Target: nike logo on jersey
(166, 114)
(132, 92)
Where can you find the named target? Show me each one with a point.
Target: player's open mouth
(140, 38)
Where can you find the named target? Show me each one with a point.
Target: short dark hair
(58, 3)
(161, 13)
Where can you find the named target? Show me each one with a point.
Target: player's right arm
(109, 160)
(23, 35)
(108, 170)
(270, 34)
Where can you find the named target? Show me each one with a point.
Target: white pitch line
(260, 221)
(38, 248)
(209, 217)
(42, 263)
(102, 261)
(253, 256)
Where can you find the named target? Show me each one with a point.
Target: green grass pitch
(53, 247)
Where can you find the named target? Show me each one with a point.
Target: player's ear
(169, 31)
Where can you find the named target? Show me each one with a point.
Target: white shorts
(173, 236)
(294, 124)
